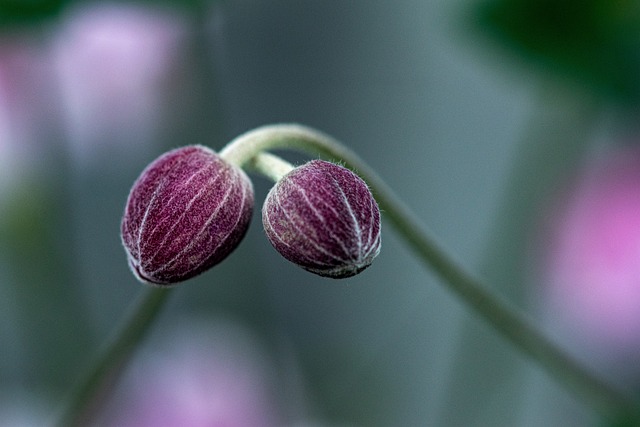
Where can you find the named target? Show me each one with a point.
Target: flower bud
(323, 217)
(187, 211)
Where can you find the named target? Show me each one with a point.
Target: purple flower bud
(187, 211)
(323, 217)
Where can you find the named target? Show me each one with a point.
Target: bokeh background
(509, 127)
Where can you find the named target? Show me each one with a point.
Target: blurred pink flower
(203, 375)
(25, 107)
(115, 62)
(593, 256)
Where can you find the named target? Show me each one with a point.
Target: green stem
(271, 166)
(502, 315)
(553, 145)
(86, 396)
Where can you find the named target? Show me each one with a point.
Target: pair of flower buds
(189, 209)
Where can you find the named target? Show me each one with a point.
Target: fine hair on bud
(188, 210)
(323, 217)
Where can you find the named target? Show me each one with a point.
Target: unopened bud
(188, 210)
(324, 218)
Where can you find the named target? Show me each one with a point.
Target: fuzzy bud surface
(188, 210)
(324, 218)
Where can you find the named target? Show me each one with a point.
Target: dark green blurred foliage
(28, 11)
(595, 43)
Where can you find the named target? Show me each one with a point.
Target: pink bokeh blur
(202, 374)
(25, 106)
(114, 65)
(592, 254)
(100, 81)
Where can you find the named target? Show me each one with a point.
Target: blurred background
(510, 127)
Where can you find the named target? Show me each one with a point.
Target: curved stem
(503, 316)
(112, 359)
(271, 166)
